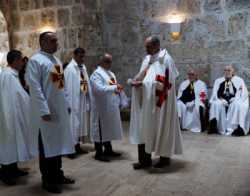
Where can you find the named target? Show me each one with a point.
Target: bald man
(229, 105)
(154, 123)
(105, 105)
(192, 95)
(50, 112)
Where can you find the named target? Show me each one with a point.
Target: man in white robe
(154, 124)
(50, 112)
(78, 89)
(229, 105)
(106, 121)
(192, 95)
(16, 137)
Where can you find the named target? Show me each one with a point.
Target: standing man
(229, 105)
(106, 121)
(78, 89)
(16, 137)
(154, 124)
(192, 95)
(50, 112)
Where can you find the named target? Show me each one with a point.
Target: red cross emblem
(57, 76)
(203, 96)
(83, 84)
(163, 94)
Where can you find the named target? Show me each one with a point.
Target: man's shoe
(52, 188)
(111, 154)
(72, 156)
(66, 180)
(238, 132)
(10, 181)
(102, 158)
(19, 173)
(138, 165)
(79, 150)
(163, 162)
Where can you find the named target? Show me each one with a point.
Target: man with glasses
(192, 95)
(229, 105)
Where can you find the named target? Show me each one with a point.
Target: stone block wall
(76, 23)
(215, 33)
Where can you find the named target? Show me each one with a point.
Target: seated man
(191, 97)
(229, 104)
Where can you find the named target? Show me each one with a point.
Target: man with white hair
(192, 95)
(229, 104)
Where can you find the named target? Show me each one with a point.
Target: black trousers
(202, 118)
(9, 170)
(50, 168)
(143, 157)
(99, 147)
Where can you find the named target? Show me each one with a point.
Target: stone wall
(75, 21)
(215, 33)
(4, 40)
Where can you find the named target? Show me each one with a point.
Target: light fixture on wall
(174, 19)
(46, 28)
(175, 31)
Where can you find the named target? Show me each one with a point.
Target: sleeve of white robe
(242, 93)
(33, 77)
(214, 96)
(98, 87)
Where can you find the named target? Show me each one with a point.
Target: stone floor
(212, 165)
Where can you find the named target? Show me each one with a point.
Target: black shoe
(72, 156)
(52, 188)
(238, 132)
(163, 162)
(19, 173)
(10, 181)
(102, 158)
(138, 165)
(79, 150)
(66, 180)
(111, 154)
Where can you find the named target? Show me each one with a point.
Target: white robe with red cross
(154, 116)
(189, 114)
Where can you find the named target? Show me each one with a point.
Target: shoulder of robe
(219, 80)
(146, 60)
(201, 82)
(70, 65)
(238, 78)
(36, 59)
(94, 74)
(185, 82)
